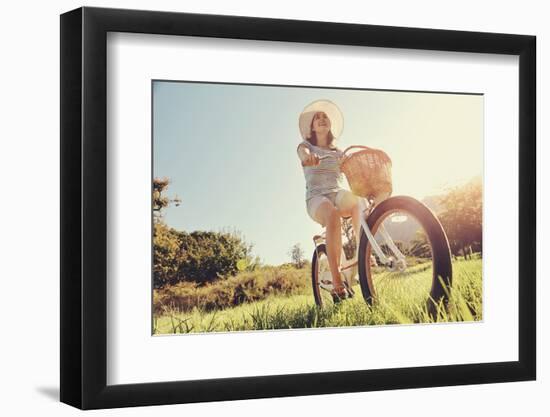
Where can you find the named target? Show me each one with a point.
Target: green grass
(401, 300)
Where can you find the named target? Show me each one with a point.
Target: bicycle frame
(391, 262)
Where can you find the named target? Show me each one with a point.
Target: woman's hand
(311, 160)
(308, 158)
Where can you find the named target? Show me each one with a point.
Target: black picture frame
(84, 207)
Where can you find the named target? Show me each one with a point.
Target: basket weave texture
(368, 172)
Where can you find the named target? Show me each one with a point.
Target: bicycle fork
(392, 263)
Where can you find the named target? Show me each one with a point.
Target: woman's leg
(331, 219)
(348, 205)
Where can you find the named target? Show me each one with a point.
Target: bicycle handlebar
(344, 156)
(326, 157)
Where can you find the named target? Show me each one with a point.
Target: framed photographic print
(261, 207)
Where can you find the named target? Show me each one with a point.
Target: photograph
(280, 207)
(247, 209)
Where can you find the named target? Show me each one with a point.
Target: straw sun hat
(331, 110)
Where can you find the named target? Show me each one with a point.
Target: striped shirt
(326, 177)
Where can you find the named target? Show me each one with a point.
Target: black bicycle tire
(315, 285)
(441, 253)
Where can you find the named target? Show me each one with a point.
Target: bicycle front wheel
(422, 270)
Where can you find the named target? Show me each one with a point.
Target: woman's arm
(307, 157)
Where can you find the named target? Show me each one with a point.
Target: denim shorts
(339, 199)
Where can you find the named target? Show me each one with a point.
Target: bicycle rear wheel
(418, 234)
(321, 278)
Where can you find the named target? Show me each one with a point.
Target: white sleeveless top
(326, 177)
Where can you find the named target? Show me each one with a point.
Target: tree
(161, 201)
(419, 246)
(297, 255)
(462, 217)
(199, 256)
(166, 245)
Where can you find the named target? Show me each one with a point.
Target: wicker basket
(368, 171)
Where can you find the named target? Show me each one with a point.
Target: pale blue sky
(230, 152)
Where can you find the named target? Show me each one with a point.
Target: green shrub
(246, 287)
(200, 257)
(208, 256)
(166, 255)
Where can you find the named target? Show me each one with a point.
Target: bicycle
(380, 260)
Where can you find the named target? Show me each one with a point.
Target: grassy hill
(400, 301)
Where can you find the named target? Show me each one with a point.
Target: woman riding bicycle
(321, 123)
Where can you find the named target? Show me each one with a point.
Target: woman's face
(321, 123)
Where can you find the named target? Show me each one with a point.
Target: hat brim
(330, 109)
